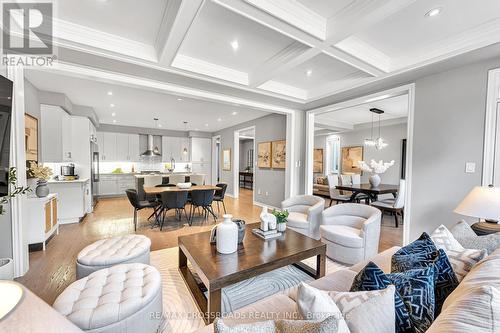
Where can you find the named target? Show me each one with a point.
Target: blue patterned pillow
(414, 298)
(423, 253)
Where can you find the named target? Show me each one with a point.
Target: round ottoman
(112, 251)
(122, 298)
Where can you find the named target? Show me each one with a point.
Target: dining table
(368, 189)
(158, 190)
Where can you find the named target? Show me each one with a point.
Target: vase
(42, 189)
(374, 180)
(6, 269)
(281, 227)
(227, 235)
(241, 230)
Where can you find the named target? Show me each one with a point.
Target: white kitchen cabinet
(107, 185)
(108, 146)
(41, 219)
(55, 125)
(72, 198)
(133, 148)
(201, 150)
(115, 184)
(121, 153)
(118, 147)
(173, 147)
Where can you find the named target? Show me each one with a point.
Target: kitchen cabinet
(72, 199)
(115, 184)
(118, 147)
(173, 147)
(201, 150)
(55, 126)
(41, 219)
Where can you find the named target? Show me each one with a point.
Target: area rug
(179, 309)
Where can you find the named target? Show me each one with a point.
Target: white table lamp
(11, 295)
(483, 202)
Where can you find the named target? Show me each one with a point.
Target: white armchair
(351, 232)
(305, 214)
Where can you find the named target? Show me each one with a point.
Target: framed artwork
(350, 159)
(226, 159)
(31, 137)
(318, 161)
(264, 155)
(278, 154)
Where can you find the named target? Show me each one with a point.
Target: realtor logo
(27, 28)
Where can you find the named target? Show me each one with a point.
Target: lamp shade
(482, 202)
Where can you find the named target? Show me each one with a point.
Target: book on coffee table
(266, 235)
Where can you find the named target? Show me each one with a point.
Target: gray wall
(245, 146)
(449, 120)
(272, 181)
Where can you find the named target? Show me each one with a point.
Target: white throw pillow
(463, 261)
(367, 311)
(443, 238)
(316, 304)
(364, 311)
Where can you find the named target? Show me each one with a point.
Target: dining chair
(173, 200)
(219, 196)
(197, 179)
(333, 181)
(176, 179)
(394, 206)
(152, 181)
(356, 180)
(202, 199)
(141, 204)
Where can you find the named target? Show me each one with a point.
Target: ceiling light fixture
(179, 99)
(160, 125)
(309, 72)
(112, 105)
(113, 114)
(434, 12)
(185, 150)
(110, 93)
(114, 121)
(206, 125)
(235, 45)
(219, 119)
(234, 113)
(378, 143)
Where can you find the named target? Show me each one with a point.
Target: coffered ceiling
(299, 51)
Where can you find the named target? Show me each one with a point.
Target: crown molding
(284, 89)
(296, 14)
(366, 52)
(207, 68)
(71, 33)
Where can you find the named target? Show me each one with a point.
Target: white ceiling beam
(178, 17)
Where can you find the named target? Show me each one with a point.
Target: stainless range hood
(151, 149)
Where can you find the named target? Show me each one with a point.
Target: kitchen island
(74, 199)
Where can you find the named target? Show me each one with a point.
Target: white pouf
(123, 298)
(112, 251)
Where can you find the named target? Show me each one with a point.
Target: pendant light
(185, 150)
(370, 142)
(156, 150)
(378, 143)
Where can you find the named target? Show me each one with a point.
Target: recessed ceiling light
(196, 129)
(235, 45)
(114, 120)
(219, 119)
(160, 125)
(112, 105)
(434, 12)
(179, 99)
(234, 113)
(206, 125)
(110, 93)
(113, 114)
(309, 72)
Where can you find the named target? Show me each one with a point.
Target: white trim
(18, 160)
(236, 161)
(284, 89)
(260, 204)
(291, 166)
(406, 89)
(214, 160)
(490, 126)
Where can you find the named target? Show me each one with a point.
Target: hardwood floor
(51, 271)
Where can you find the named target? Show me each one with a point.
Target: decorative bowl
(184, 185)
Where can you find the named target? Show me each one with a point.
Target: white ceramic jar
(227, 235)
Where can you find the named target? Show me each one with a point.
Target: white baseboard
(230, 195)
(260, 204)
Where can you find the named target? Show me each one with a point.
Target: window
(332, 154)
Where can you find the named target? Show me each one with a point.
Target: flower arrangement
(281, 217)
(375, 167)
(40, 172)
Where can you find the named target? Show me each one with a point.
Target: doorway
(244, 162)
(216, 164)
(356, 132)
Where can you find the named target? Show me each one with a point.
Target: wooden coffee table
(254, 257)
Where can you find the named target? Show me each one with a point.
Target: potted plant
(42, 174)
(376, 169)
(281, 219)
(6, 264)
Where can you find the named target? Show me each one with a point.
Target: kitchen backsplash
(109, 167)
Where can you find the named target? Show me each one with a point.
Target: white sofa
(305, 214)
(351, 232)
(462, 300)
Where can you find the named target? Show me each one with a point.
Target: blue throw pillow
(423, 253)
(414, 298)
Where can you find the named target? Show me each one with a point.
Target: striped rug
(179, 308)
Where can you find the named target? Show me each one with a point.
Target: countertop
(81, 180)
(33, 197)
(165, 174)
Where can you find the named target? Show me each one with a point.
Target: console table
(246, 180)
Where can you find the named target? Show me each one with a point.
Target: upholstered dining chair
(202, 199)
(139, 205)
(220, 195)
(333, 181)
(173, 200)
(351, 232)
(304, 214)
(176, 179)
(356, 180)
(394, 206)
(197, 179)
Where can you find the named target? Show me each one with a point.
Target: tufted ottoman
(112, 251)
(123, 298)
